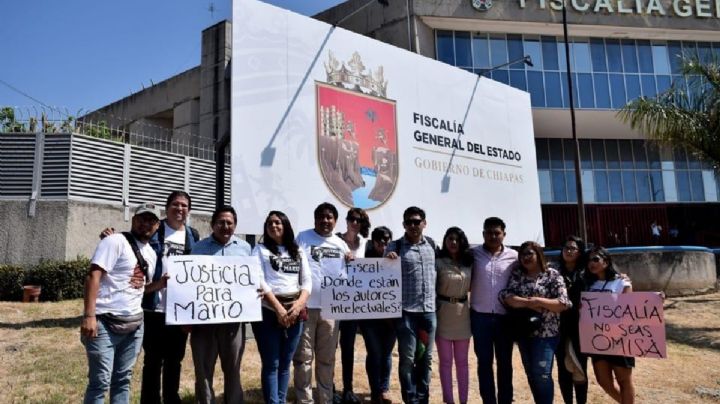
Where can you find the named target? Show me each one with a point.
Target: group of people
(450, 294)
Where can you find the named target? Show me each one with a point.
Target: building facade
(619, 50)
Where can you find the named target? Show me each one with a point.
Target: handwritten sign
(370, 288)
(628, 324)
(209, 289)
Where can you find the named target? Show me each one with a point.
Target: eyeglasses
(596, 258)
(570, 248)
(354, 219)
(384, 240)
(413, 222)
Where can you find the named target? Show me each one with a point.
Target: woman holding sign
(454, 270)
(601, 276)
(534, 286)
(287, 285)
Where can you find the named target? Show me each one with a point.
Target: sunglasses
(596, 258)
(413, 222)
(354, 219)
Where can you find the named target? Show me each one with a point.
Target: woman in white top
(358, 229)
(287, 285)
(601, 276)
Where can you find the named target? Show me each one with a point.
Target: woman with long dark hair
(452, 336)
(601, 276)
(287, 284)
(534, 286)
(572, 264)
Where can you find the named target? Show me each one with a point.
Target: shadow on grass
(697, 337)
(67, 322)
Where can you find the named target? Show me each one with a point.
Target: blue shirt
(209, 246)
(418, 274)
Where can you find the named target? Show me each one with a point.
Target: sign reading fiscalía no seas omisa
(660, 8)
(321, 114)
(627, 324)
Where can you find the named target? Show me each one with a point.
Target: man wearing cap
(112, 326)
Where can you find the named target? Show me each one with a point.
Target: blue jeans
(276, 346)
(416, 336)
(492, 341)
(537, 357)
(111, 358)
(379, 336)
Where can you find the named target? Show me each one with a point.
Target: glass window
(558, 186)
(645, 57)
(566, 94)
(663, 83)
(553, 89)
(680, 158)
(674, 53)
(661, 62)
(653, 153)
(648, 85)
(556, 154)
(615, 182)
(481, 51)
(639, 156)
(696, 186)
(617, 88)
(543, 157)
(632, 82)
(657, 194)
(515, 50)
(517, 79)
(682, 179)
(689, 48)
(532, 49)
(571, 188)
(498, 50)
(598, 154)
(585, 154)
(628, 179)
(562, 61)
(602, 193)
(501, 76)
(642, 179)
(614, 57)
(597, 49)
(629, 54)
(550, 56)
(463, 53)
(626, 154)
(694, 162)
(445, 47)
(585, 88)
(535, 87)
(613, 156)
(569, 147)
(581, 54)
(602, 90)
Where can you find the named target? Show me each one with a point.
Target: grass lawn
(44, 362)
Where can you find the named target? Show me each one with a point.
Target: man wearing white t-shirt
(112, 327)
(326, 254)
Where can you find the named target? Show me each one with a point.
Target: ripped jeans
(537, 359)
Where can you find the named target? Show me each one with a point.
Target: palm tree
(689, 119)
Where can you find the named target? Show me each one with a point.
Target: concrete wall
(677, 273)
(62, 229)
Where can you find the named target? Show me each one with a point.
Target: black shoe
(349, 397)
(337, 399)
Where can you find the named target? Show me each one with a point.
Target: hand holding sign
(628, 324)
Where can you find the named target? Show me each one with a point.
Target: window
(481, 51)
(581, 54)
(629, 53)
(597, 50)
(661, 62)
(445, 47)
(463, 53)
(645, 57)
(553, 89)
(515, 51)
(549, 51)
(532, 49)
(498, 50)
(535, 87)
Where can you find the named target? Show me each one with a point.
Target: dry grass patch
(44, 362)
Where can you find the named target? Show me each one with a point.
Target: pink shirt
(490, 276)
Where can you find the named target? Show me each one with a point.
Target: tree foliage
(8, 122)
(683, 118)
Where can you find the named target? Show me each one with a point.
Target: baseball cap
(148, 208)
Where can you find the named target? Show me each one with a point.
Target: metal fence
(103, 125)
(52, 166)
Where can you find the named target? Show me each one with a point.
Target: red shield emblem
(357, 145)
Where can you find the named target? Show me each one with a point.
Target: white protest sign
(370, 288)
(206, 289)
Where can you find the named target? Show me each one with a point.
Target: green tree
(8, 122)
(681, 118)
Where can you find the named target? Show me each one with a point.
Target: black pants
(565, 377)
(348, 331)
(164, 347)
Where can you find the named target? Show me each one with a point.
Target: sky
(79, 55)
